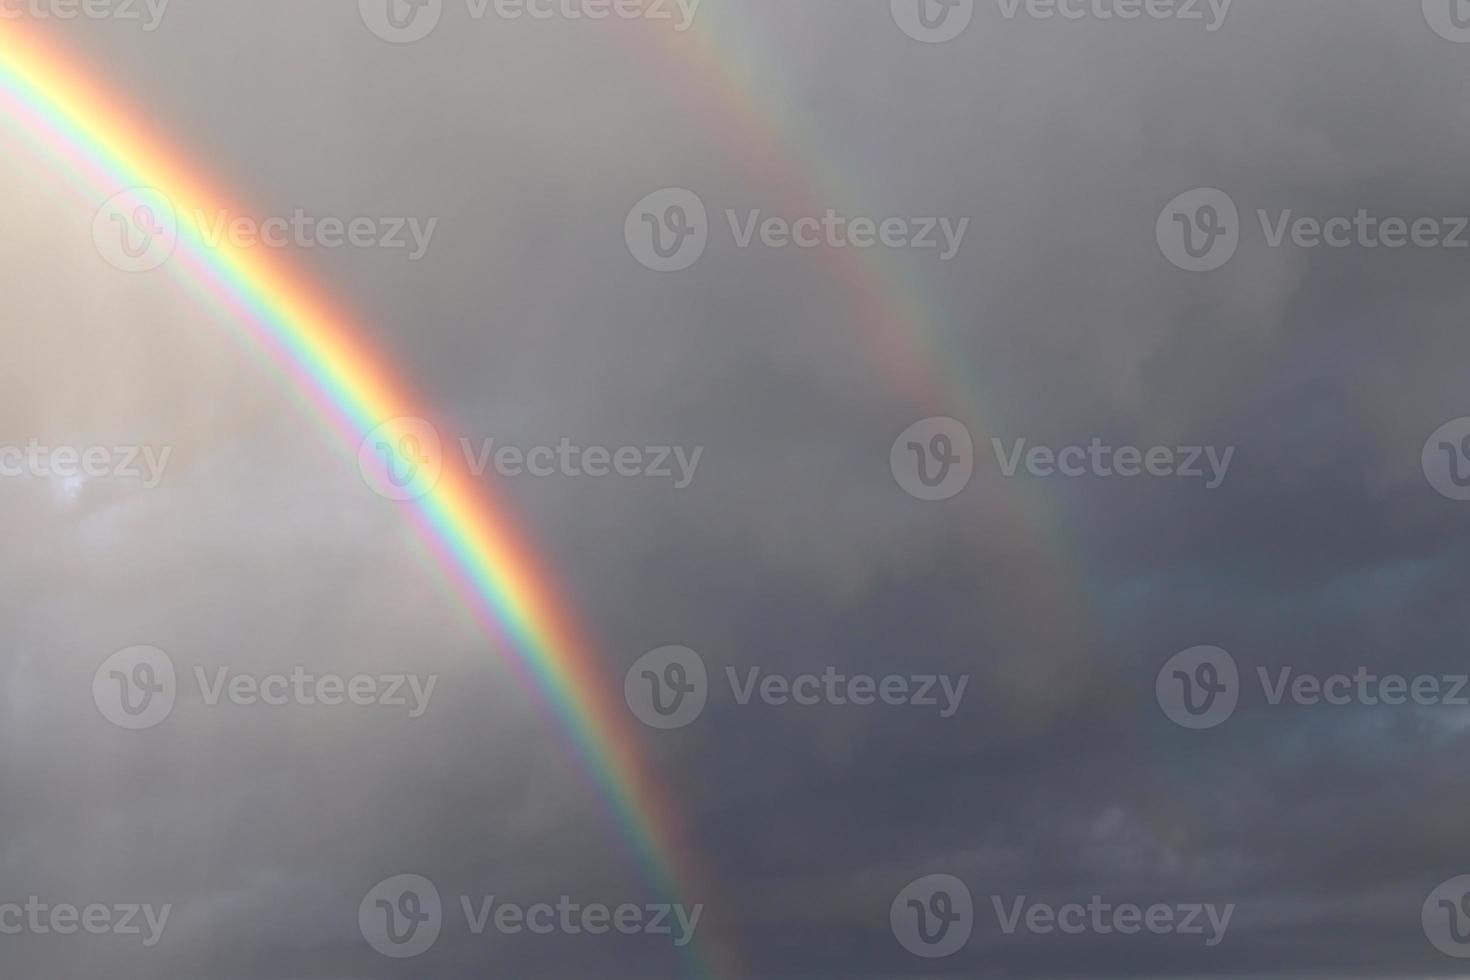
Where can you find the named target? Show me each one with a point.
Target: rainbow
(714, 66)
(911, 340)
(52, 103)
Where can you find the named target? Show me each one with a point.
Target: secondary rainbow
(722, 70)
(51, 102)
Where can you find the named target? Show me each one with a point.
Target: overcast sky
(1306, 382)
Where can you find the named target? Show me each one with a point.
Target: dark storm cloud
(793, 550)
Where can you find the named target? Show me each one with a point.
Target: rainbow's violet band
(919, 355)
(51, 102)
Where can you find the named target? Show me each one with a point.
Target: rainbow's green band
(50, 100)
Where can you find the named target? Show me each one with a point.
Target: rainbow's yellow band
(50, 100)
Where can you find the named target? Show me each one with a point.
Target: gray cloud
(794, 549)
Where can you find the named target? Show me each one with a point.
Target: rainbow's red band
(52, 102)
